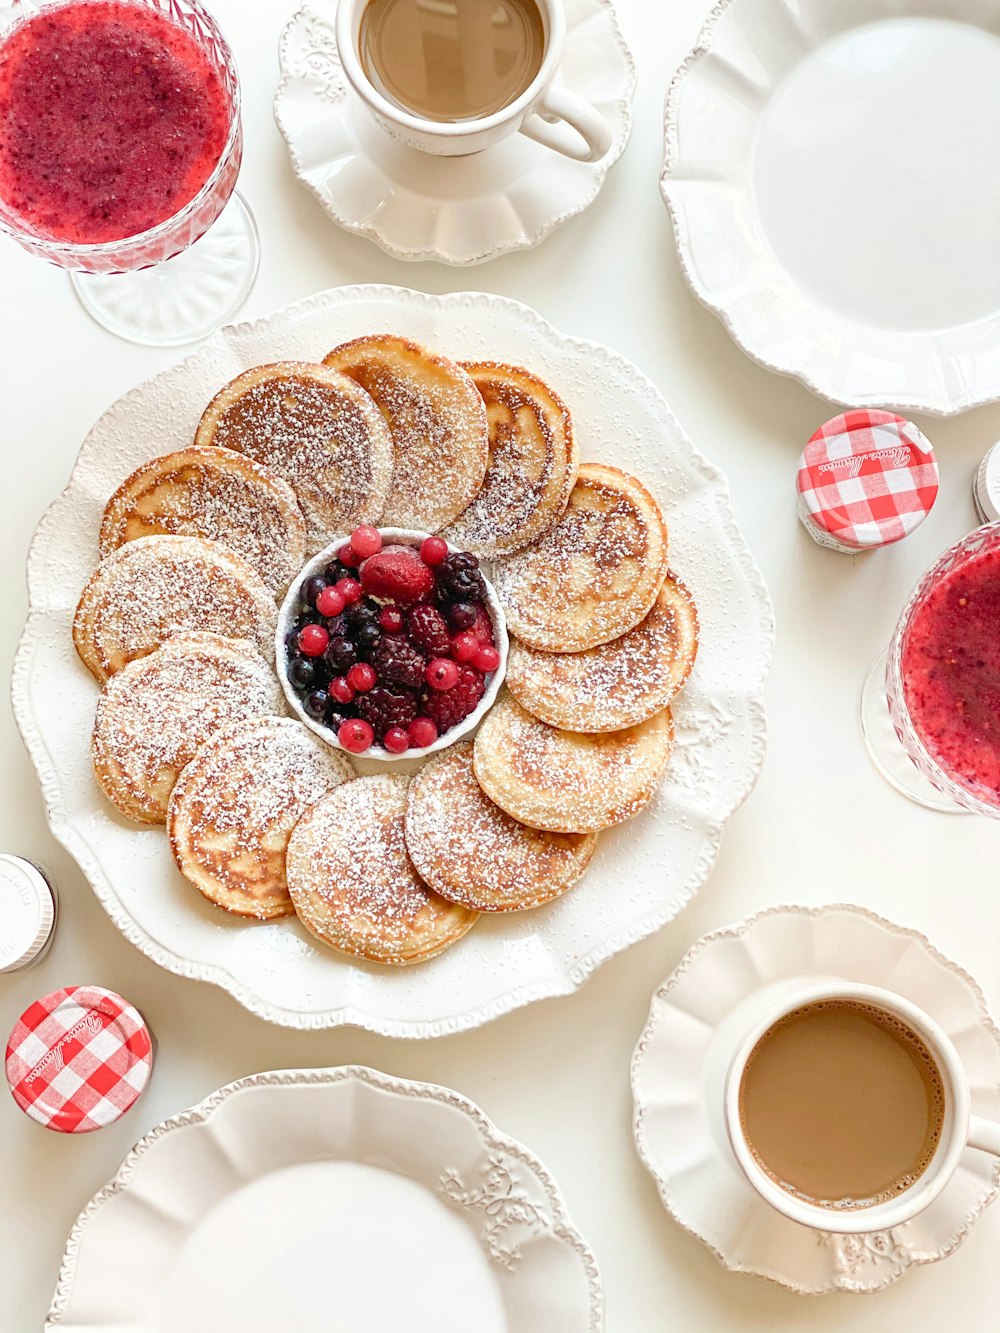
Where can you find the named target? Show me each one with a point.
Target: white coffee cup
(961, 1129)
(545, 111)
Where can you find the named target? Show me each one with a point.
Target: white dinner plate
(328, 1201)
(834, 180)
(643, 872)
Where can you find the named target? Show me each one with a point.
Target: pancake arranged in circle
(532, 466)
(155, 587)
(317, 429)
(214, 493)
(569, 781)
(438, 424)
(616, 684)
(155, 714)
(354, 886)
(594, 575)
(473, 853)
(235, 804)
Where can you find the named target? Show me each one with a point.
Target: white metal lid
(27, 913)
(986, 486)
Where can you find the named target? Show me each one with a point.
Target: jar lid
(986, 487)
(78, 1059)
(27, 913)
(867, 478)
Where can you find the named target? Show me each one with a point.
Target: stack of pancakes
(177, 625)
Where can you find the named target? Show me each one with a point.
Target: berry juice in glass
(120, 145)
(940, 684)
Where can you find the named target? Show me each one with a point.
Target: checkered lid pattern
(78, 1059)
(868, 478)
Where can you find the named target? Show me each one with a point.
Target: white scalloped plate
(642, 874)
(832, 174)
(458, 210)
(725, 981)
(328, 1201)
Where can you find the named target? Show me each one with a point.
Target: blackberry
(459, 578)
(447, 708)
(428, 631)
(384, 708)
(336, 626)
(340, 656)
(397, 661)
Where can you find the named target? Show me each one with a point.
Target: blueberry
(336, 571)
(367, 636)
(462, 616)
(341, 655)
(316, 704)
(334, 717)
(312, 588)
(301, 673)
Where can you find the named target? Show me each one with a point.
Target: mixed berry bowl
(391, 644)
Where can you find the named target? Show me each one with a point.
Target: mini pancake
(596, 574)
(235, 804)
(617, 684)
(569, 781)
(473, 853)
(213, 493)
(438, 424)
(155, 714)
(532, 466)
(354, 886)
(317, 429)
(155, 587)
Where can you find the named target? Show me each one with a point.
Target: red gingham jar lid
(78, 1059)
(866, 478)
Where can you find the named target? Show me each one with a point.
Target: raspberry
(329, 602)
(366, 541)
(387, 709)
(447, 708)
(423, 732)
(397, 574)
(482, 626)
(428, 631)
(433, 550)
(458, 577)
(355, 735)
(396, 740)
(441, 674)
(397, 661)
(313, 640)
(487, 659)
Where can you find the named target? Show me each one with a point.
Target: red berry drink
(112, 118)
(949, 666)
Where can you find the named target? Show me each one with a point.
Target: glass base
(185, 298)
(886, 749)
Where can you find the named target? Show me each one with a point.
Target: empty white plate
(834, 180)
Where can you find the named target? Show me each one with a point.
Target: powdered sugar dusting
(235, 805)
(213, 493)
(474, 853)
(438, 425)
(532, 463)
(596, 574)
(315, 428)
(566, 780)
(156, 712)
(352, 881)
(156, 587)
(617, 684)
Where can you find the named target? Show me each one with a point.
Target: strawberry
(397, 574)
(482, 627)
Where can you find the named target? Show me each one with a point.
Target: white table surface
(821, 826)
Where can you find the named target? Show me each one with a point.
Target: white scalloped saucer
(696, 1020)
(461, 210)
(357, 1201)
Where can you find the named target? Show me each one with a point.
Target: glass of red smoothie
(935, 731)
(120, 146)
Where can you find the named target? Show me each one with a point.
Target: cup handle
(589, 136)
(984, 1134)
